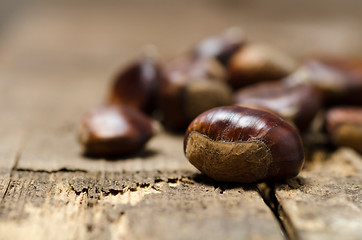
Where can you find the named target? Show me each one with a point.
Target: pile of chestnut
(243, 105)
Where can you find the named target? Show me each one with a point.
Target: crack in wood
(77, 192)
(133, 186)
(50, 171)
(267, 192)
(17, 157)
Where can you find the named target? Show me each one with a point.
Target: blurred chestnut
(255, 63)
(223, 46)
(344, 126)
(298, 104)
(238, 144)
(191, 86)
(352, 74)
(339, 82)
(137, 84)
(113, 130)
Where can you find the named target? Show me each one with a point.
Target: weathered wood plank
(12, 133)
(52, 139)
(24, 201)
(54, 150)
(9, 150)
(325, 201)
(147, 205)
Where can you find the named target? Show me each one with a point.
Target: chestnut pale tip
(221, 160)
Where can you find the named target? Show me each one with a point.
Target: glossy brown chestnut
(137, 85)
(344, 126)
(191, 86)
(298, 104)
(255, 63)
(339, 82)
(221, 47)
(114, 130)
(238, 144)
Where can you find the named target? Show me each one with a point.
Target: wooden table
(57, 60)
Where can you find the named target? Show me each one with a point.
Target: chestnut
(298, 104)
(221, 47)
(189, 87)
(344, 126)
(113, 130)
(351, 90)
(255, 63)
(338, 81)
(238, 144)
(137, 84)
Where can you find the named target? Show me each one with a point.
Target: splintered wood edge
(243, 161)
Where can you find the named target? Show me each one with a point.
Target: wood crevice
(13, 168)
(267, 192)
(50, 171)
(92, 188)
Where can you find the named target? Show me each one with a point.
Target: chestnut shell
(298, 104)
(189, 87)
(340, 82)
(344, 126)
(137, 85)
(222, 47)
(114, 130)
(234, 125)
(256, 63)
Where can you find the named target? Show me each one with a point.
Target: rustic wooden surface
(56, 61)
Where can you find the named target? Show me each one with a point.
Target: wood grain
(151, 205)
(324, 202)
(9, 150)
